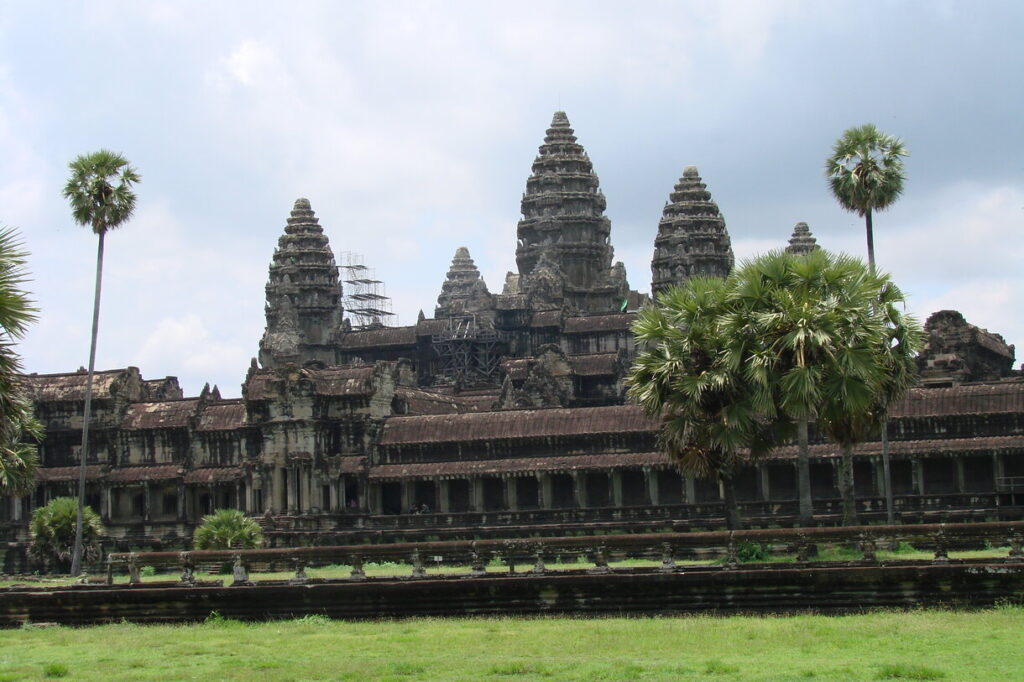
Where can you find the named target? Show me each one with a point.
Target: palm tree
(228, 529)
(682, 376)
(101, 197)
(19, 431)
(865, 173)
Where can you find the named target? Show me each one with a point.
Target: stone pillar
(689, 490)
(579, 489)
(998, 471)
(336, 492)
(651, 480)
(16, 508)
(764, 486)
(305, 478)
(211, 494)
(443, 500)
(293, 486)
(105, 503)
(147, 501)
(476, 494)
(249, 496)
(374, 500)
(511, 494)
(879, 469)
(547, 500)
(182, 509)
(616, 476)
(239, 497)
(407, 491)
(917, 470)
(961, 479)
(280, 504)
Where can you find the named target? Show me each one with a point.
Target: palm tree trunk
(871, 241)
(732, 509)
(846, 486)
(803, 470)
(890, 512)
(76, 554)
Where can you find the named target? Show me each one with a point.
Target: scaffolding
(469, 354)
(365, 297)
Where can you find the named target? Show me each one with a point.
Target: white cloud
(184, 345)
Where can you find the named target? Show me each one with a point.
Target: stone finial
(690, 173)
(802, 242)
(559, 120)
(302, 204)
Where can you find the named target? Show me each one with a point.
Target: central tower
(564, 233)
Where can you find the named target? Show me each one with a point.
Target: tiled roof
(489, 467)
(987, 398)
(420, 402)
(984, 445)
(514, 424)
(224, 416)
(342, 381)
(213, 475)
(162, 415)
(600, 364)
(138, 474)
(71, 386)
(599, 323)
(430, 326)
(352, 465)
(92, 473)
(379, 338)
(516, 368)
(547, 318)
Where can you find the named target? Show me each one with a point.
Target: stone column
(476, 493)
(689, 490)
(651, 479)
(182, 509)
(879, 469)
(305, 478)
(293, 487)
(511, 494)
(616, 487)
(336, 491)
(407, 492)
(249, 503)
(547, 500)
(146, 501)
(764, 483)
(211, 494)
(277, 489)
(374, 501)
(917, 468)
(16, 508)
(443, 499)
(579, 489)
(105, 506)
(961, 478)
(998, 471)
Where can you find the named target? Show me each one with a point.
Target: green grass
(917, 645)
(391, 569)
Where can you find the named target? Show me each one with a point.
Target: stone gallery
(502, 414)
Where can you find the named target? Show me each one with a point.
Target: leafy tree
(227, 529)
(19, 431)
(53, 529)
(821, 337)
(865, 173)
(683, 376)
(101, 197)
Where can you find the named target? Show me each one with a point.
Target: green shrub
(227, 529)
(53, 532)
(55, 670)
(752, 551)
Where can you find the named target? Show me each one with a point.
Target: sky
(411, 127)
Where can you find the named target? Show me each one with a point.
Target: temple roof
(492, 467)
(515, 424)
(379, 338)
(599, 323)
(802, 242)
(160, 415)
(70, 386)
(223, 416)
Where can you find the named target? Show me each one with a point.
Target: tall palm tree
(865, 173)
(101, 197)
(682, 376)
(811, 328)
(19, 431)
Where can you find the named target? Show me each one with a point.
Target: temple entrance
(634, 488)
(391, 498)
(670, 487)
(527, 492)
(598, 489)
(978, 476)
(458, 495)
(562, 495)
(425, 493)
(782, 482)
(494, 494)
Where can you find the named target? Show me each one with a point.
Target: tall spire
(463, 291)
(802, 242)
(692, 239)
(563, 219)
(303, 292)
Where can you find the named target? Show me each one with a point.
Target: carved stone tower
(464, 291)
(303, 294)
(564, 227)
(802, 242)
(692, 239)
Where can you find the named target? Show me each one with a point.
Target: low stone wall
(839, 589)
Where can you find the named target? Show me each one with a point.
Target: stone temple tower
(564, 230)
(692, 239)
(464, 291)
(303, 294)
(802, 242)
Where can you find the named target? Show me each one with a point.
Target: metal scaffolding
(469, 354)
(365, 297)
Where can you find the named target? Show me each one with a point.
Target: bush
(53, 532)
(752, 551)
(227, 529)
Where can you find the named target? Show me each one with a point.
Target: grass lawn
(917, 645)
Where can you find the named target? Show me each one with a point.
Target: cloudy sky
(411, 128)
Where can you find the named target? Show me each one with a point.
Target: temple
(504, 413)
